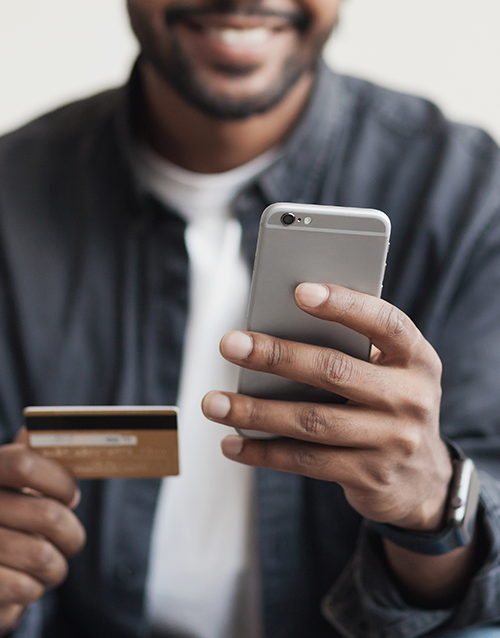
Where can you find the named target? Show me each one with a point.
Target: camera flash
(307, 221)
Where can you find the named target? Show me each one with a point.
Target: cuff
(365, 601)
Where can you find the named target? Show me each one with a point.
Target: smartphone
(319, 244)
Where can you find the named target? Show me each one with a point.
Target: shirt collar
(298, 173)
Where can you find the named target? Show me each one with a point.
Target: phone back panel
(340, 246)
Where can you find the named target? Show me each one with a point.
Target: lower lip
(235, 53)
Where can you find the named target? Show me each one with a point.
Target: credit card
(96, 442)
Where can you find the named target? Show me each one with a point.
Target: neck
(203, 144)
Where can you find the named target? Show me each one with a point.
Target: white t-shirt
(203, 573)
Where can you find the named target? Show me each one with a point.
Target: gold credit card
(107, 441)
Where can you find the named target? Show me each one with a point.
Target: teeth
(257, 35)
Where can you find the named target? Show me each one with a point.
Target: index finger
(21, 468)
(387, 327)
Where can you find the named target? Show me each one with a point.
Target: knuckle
(312, 422)
(44, 560)
(276, 354)
(24, 589)
(306, 459)
(59, 524)
(78, 540)
(386, 397)
(61, 575)
(352, 303)
(381, 477)
(264, 452)
(22, 466)
(335, 368)
(418, 407)
(253, 412)
(393, 321)
(376, 474)
(52, 515)
(407, 443)
(434, 365)
(426, 358)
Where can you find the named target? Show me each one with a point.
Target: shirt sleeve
(365, 601)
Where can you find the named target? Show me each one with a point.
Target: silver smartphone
(310, 243)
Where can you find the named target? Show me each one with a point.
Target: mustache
(298, 20)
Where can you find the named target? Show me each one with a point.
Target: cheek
(147, 19)
(151, 12)
(324, 13)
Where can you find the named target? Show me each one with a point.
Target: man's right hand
(38, 530)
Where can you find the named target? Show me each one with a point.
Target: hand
(384, 445)
(38, 530)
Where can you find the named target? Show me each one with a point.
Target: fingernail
(76, 499)
(311, 295)
(232, 445)
(236, 345)
(216, 405)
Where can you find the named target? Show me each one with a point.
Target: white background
(52, 51)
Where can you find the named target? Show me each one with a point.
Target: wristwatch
(461, 509)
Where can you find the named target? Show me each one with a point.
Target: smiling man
(234, 77)
(128, 224)
(236, 63)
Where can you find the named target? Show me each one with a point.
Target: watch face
(460, 490)
(471, 505)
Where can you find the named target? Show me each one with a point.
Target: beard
(181, 75)
(179, 72)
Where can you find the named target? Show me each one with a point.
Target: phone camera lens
(287, 219)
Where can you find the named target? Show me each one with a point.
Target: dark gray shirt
(93, 301)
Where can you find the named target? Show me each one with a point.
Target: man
(94, 296)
